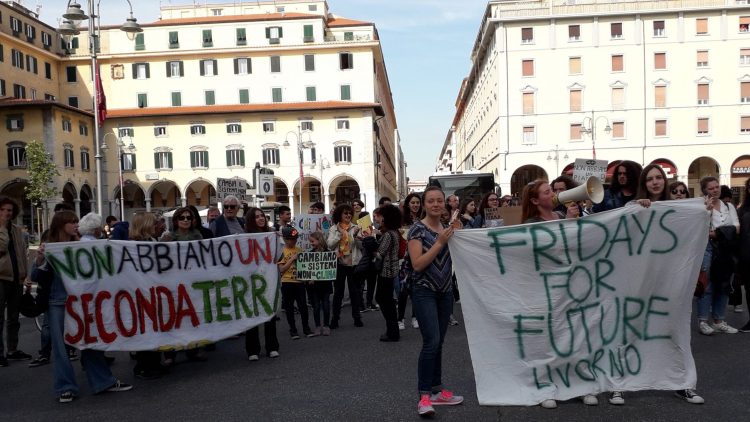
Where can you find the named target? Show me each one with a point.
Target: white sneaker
(590, 400)
(738, 309)
(548, 404)
(724, 328)
(273, 354)
(689, 396)
(401, 325)
(616, 398)
(414, 322)
(705, 329)
(252, 358)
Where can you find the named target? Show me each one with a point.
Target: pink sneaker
(445, 398)
(424, 407)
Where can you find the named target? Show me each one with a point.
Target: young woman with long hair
(537, 204)
(387, 253)
(652, 185)
(345, 238)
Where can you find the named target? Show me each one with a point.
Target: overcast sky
(426, 44)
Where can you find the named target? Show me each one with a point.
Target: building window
(160, 131)
(745, 56)
(142, 100)
(15, 26)
(19, 91)
(307, 33)
(46, 40)
(574, 32)
(660, 96)
(241, 36)
(311, 93)
(209, 67)
(68, 156)
(176, 98)
(85, 157)
(529, 135)
(615, 30)
(618, 63)
(745, 124)
(71, 74)
(701, 26)
(527, 35)
(124, 132)
(234, 128)
(703, 94)
(618, 130)
(47, 97)
(348, 36)
(275, 64)
(274, 34)
(163, 160)
(244, 96)
(660, 61)
(575, 132)
(659, 29)
(528, 103)
(141, 71)
(83, 129)
(73, 101)
(30, 33)
(197, 129)
(342, 154)
(527, 67)
(346, 92)
(242, 66)
(216, 12)
(174, 39)
(175, 69)
(306, 125)
(574, 65)
(702, 126)
(346, 61)
(14, 123)
(575, 99)
(17, 58)
(208, 40)
(2, 88)
(127, 161)
(744, 24)
(236, 157)
(199, 159)
(47, 70)
(660, 127)
(210, 97)
(701, 58)
(618, 98)
(140, 41)
(745, 92)
(271, 156)
(67, 126)
(276, 95)
(17, 155)
(309, 62)
(269, 127)
(342, 124)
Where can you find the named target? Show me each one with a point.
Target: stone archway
(135, 199)
(165, 195)
(200, 193)
(312, 192)
(86, 196)
(740, 172)
(343, 190)
(700, 168)
(14, 189)
(281, 192)
(523, 176)
(69, 195)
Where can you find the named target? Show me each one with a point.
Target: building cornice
(241, 108)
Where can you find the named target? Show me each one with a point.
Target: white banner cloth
(165, 296)
(561, 309)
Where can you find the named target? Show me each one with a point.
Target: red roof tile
(338, 21)
(18, 102)
(239, 108)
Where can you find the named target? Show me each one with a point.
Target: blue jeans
(715, 303)
(433, 311)
(97, 370)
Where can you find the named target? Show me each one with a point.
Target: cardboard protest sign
(165, 296)
(365, 222)
(226, 187)
(493, 217)
(583, 169)
(308, 223)
(316, 266)
(566, 308)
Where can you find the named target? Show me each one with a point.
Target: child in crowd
(322, 290)
(292, 290)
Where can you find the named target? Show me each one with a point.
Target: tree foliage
(42, 171)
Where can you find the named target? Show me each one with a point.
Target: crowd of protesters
(401, 257)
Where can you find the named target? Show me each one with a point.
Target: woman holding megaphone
(538, 204)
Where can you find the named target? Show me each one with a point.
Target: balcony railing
(342, 38)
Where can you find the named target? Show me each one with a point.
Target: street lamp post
(556, 157)
(301, 146)
(73, 17)
(591, 129)
(120, 146)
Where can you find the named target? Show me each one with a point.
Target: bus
(465, 185)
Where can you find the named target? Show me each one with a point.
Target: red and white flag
(101, 100)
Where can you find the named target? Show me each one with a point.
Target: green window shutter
(281, 32)
(148, 70)
(346, 92)
(242, 157)
(311, 94)
(308, 31)
(216, 67)
(244, 96)
(229, 158)
(207, 38)
(348, 36)
(132, 158)
(239, 128)
(236, 66)
(74, 43)
(241, 38)
(268, 32)
(193, 155)
(174, 41)
(169, 70)
(142, 100)
(139, 42)
(210, 98)
(276, 94)
(203, 71)
(249, 65)
(182, 69)
(135, 70)
(156, 160)
(205, 158)
(169, 160)
(176, 99)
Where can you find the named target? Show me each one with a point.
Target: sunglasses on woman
(185, 218)
(679, 192)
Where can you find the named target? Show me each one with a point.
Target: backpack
(402, 246)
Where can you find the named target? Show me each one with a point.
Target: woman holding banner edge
(432, 298)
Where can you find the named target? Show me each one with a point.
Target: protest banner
(560, 309)
(314, 266)
(493, 217)
(308, 223)
(226, 187)
(168, 295)
(583, 169)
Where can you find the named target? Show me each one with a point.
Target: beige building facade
(649, 81)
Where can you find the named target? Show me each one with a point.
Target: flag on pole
(101, 100)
